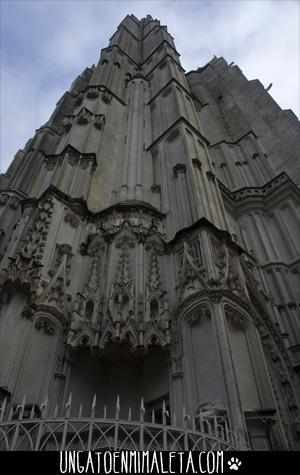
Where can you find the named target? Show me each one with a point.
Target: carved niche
(122, 291)
(62, 250)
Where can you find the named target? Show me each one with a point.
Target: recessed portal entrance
(122, 373)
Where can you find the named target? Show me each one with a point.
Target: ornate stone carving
(198, 314)
(60, 251)
(106, 96)
(45, 324)
(92, 93)
(67, 123)
(220, 270)
(84, 116)
(236, 319)
(99, 121)
(95, 244)
(121, 300)
(211, 408)
(25, 267)
(26, 264)
(78, 99)
(156, 189)
(84, 322)
(192, 275)
(211, 176)
(233, 279)
(81, 331)
(126, 239)
(221, 261)
(11, 200)
(196, 163)
(72, 219)
(179, 168)
(55, 293)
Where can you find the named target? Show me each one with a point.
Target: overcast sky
(45, 44)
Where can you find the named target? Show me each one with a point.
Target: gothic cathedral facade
(149, 254)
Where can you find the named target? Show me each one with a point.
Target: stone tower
(149, 254)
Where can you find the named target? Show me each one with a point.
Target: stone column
(235, 412)
(176, 394)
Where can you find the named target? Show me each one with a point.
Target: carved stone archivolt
(141, 224)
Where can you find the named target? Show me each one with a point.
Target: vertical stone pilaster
(235, 411)
(177, 398)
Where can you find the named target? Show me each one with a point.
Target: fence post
(91, 425)
(142, 412)
(19, 408)
(116, 434)
(65, 431)
(40, 429)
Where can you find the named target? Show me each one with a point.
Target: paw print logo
(234, 463)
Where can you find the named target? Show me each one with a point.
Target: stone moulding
(73, 152)
(259, 194)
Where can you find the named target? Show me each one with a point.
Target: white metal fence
(26, 427)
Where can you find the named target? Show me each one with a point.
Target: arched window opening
(153, 308)
(89, 309)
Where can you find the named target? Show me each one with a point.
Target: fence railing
(31, 428)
